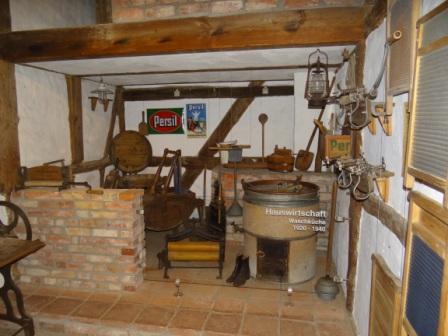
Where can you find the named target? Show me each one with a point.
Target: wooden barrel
(282, 211)
(130, 151)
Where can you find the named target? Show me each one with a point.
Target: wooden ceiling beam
(296, 28)
(185, 92)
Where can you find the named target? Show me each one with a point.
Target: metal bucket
(282, 210)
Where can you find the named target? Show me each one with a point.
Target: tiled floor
(203, 310)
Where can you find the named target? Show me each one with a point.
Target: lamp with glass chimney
(317, 89)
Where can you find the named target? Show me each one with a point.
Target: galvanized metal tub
(282, 210)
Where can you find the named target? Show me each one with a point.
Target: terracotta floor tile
(229, 305)
(189, 319)
(233, 292)
(212, 333)
(104, 297)
(91, 309)
(75, 294)
(34, 303)
(270, 294)
(27, 289)
(256, 325)
(135, 297)
(61, 306)
(48, 291)
(123, 313)
(329, 311)
(229, 323)
(183, 332)
(297, 311)
(296, 328)
(335, 329)
(199, 290)
(159, 316)
(164, 299)
(197, 302)
(263, 307)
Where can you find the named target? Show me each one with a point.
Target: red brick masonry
(92, 241)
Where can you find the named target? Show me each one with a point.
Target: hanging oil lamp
(100, 95)
(317, 88)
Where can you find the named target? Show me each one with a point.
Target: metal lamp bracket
(383, 112)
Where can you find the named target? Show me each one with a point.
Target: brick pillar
(92, 241)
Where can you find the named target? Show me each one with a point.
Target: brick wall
(139, 10)
(92, 241)
(323, 180)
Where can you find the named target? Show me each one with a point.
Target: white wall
(374, 236)
(42, 96)
(278, 129)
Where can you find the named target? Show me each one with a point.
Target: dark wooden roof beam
(185, 92)
(296, 28)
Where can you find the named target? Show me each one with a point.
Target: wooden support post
(9, 133)
(103, 11)
(119, 105)
(74, 96)
(231, 118)
(355, 207)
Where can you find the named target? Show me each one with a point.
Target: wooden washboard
(384, 300)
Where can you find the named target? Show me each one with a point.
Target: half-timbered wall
(374, 236)
(42, 95)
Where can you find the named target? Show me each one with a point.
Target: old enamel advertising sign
(196, 120)
(165, 120)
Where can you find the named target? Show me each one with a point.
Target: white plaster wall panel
(366, 247)
(43, 116)
(32, 14)
(429, 5)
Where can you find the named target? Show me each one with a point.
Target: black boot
(236, 270)
(244, 273)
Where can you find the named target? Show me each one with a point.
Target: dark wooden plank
(355, 207)
(119, 105)
(375, 15)
(13, 250)
(167, 93)
(186, 71)
(113, 118)
(296, 28)
(103, 11)
(231, 118)
(88, 166)
(74, 96)
(9, 133)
